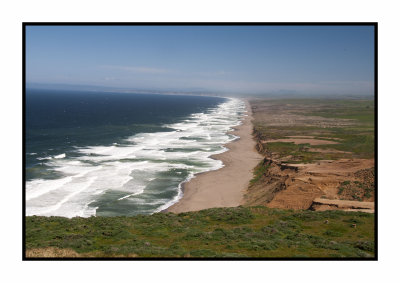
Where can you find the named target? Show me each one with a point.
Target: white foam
(39, 187)
(44, 158)
(60, 156)
(177, 197)
(140, 190)
(52, 210)
(133, 166)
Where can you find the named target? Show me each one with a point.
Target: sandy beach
(224, 187)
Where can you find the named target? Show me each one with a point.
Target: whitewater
(141, 175)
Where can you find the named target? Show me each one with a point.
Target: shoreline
(226, 186)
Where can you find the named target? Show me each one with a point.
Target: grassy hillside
(219, 232)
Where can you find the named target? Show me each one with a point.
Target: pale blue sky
(237, 59)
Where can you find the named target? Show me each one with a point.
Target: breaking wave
(142, 174)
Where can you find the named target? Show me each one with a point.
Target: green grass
(356, 190)
(259, 171)
(355, 140)
(358, 110)
(219, 232)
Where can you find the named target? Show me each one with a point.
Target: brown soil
(362, 187)
(302, 141)
(312, 137)
(328, 175)
(279, 115)
(51, 252)
(330, 150)
(296, 186)
(320, 204)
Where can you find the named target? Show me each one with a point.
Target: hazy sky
(239, 59)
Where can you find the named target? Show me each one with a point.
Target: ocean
(110, 154)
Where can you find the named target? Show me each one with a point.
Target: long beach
(224, 187)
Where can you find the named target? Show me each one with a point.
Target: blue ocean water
(99, 153)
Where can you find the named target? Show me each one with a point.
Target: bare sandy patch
(320, 204)
(313, 137)
(296, 186)
(51, 252)
(326, 150)
(302, 141)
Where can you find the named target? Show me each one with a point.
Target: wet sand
(224, 187)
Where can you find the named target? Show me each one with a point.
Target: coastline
(226, 186)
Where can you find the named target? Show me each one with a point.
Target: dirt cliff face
(272, 181)
(305, 163)
(281, 187)
(296, 186)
